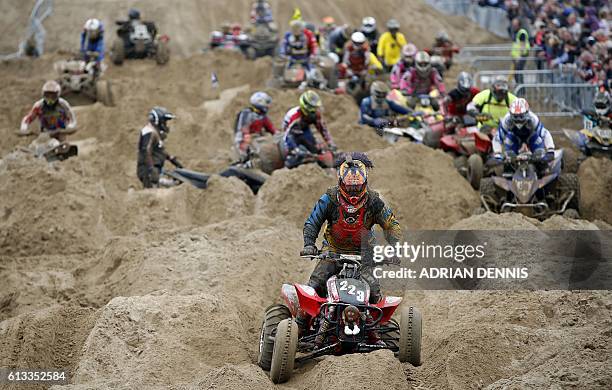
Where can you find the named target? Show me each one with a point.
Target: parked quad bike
(342, 322)
(80, 77)
(139, 40)
(469, 148)
(520, 189)
(262, 40)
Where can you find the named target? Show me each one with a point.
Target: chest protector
(350, 228)
(357, 59)
(53, 117)
(298, 45)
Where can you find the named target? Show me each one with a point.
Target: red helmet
(519, 112)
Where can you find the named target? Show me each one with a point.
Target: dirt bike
(469, 148)
(340, 323)
(520, 188)
(78, 76)
(139, 40)
(294, 74)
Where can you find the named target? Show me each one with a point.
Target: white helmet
(422, 62)
(358, 38)
(51, 91)
(368, 25)
(261, 101)
(93, 27)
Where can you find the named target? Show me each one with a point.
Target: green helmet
(310, 103)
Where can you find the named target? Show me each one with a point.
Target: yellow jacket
(487, 104)
(389, 49)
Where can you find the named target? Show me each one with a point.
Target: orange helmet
(353, 178)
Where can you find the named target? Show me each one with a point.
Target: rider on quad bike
(251, 122)
(350, 210)
(444, 48)
(601, 114)
(151, 150)
(522, 127)
(299, 45)
(493, 102)
(297, 133)
(92, 42)
(376, 110)
(406, 63)
(337, 39)
(459, 98)
(368, 28)
(422, 79)
(261, 13)
(54, 113)
(356, 58)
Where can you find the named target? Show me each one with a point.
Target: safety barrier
(494, 20)
(34, 41)
(484, 79)
(468, 52)
(548, 99)
(499, 62)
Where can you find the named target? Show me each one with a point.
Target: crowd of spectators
(570, 33)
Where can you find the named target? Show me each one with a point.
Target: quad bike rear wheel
(117, 53)
(566, 183)
(411, 326)
(104, 92)
(162, 55)
(475, 168)
(283, 355)
(274, 315)
(271, 157)
(488, 190)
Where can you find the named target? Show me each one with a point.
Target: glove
(309, 250)
(539, 154)
(175, 161)
(381, 123)
(473, 113)
(23, 129)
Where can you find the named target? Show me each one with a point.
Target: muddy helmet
(368, 25)
(379, 90)
(261, 101)
(442, 36)
(499, 89)
(133, 14)
(51, 91)
(602, 103)
(296, 26)
(352, 169)
(519, 112)
(422, 63)
(310, 103)
(159, 116)
(358, 38)
(464, 82)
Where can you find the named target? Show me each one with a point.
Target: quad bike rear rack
(507, 206)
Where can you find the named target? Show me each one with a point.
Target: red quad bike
(340, 323)
(469, 148)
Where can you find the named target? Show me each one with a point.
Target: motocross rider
(445, 48)
(151, 150)
(493, 101)
(422, 79)
(368, 28)
(92, 41)
(459, 98)
(376, 110)
(350, 210)
(126, 27)
(261, 13)
(356, 55)
(521, 127)
(251, 122)
(601, 114)
(338, 38)
(299, 45)
(297, 133)
(54, 113)
(409, 51)
(390, 44)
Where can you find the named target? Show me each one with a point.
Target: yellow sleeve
(374, 62)
(401, 39)
(511, 98)
(381, 44)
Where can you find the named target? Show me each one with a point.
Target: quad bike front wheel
(411, 325)
(274, 315)
(391, 338)
(162, 55)
(475, 168)
(104, 92)
(489, 191)
(567, 183)
(283, 355)
(117, 53)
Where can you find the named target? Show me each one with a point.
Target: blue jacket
(88, 45)
(509, 137)
(369, 116)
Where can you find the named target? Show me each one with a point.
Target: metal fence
(546, 99)
(494, 20)
(484, 79)
(499, 62)
(34, 41)
(468, 52)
